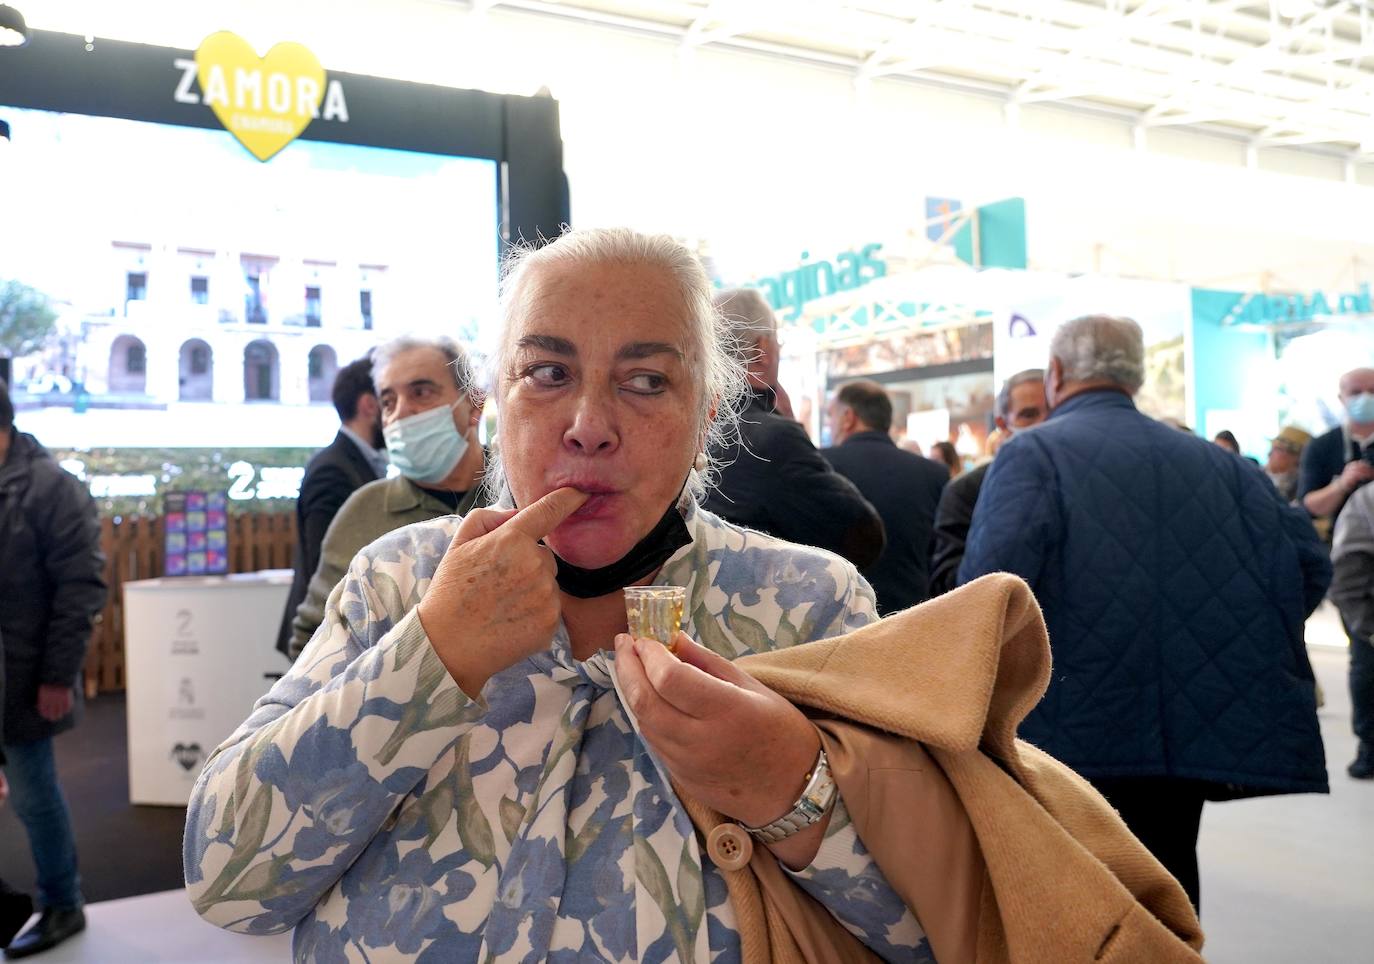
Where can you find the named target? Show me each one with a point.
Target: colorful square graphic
(196, 534)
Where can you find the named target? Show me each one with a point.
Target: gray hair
(1101, 348)
(711, 357)
(455, 357)
(1014, 382)
(749, 315)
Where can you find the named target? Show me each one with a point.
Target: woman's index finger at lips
(541, 517)
(481, 522)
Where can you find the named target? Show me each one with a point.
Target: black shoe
(54, 927)
(1363, 766)
(15, 910)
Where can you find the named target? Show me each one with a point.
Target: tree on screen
(26, 319)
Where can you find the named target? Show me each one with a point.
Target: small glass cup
(655, 612)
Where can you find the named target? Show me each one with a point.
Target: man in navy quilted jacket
(1175, 583)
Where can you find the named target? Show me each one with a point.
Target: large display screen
(183, 308)
(199, 297)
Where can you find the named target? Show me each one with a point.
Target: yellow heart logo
(265, 102)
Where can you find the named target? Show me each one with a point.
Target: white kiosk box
(199, 651)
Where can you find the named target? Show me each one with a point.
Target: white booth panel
(199, 652)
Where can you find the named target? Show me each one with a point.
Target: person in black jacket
(1333, 467)
(772, 478)
(51, 588)
(348, 463)
(903, 487)
(1020, 405)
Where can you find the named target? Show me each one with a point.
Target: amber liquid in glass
(655, 612)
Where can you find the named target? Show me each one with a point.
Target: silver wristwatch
(814, 803)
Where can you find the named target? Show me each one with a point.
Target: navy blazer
(1175, 583)
(905, 489)
(332, 475)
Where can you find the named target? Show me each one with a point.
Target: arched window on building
(196, 372)
(261, 375)
(323, 366)
(128, 366)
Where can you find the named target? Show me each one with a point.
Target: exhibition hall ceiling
(1277, 72)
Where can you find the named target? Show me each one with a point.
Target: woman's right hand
(494, 598)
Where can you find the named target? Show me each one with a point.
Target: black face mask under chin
(648, 554)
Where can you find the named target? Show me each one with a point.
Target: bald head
(1357, 381)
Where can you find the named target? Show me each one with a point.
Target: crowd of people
(470, 757)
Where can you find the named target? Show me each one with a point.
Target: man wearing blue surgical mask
(1333, 467)
(1335, 464)
(430, 411)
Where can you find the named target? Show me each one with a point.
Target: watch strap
(815, 802)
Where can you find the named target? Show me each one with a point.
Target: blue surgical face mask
(426, 447)
(1360, 408)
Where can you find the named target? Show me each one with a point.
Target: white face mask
(428, 446)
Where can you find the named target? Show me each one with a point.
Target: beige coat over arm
(1005, 854)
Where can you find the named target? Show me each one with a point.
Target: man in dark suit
(352, 460)
(771, 477)
(1333, 467)
(904, 488)
(1020, 405)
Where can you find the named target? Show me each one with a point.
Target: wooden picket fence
(134, 549)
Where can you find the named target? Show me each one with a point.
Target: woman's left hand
(728, 740)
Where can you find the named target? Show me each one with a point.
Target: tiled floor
(160, 929)
(1290, 880)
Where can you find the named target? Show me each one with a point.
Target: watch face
(821, 794)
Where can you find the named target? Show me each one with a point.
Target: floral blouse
(369, 803)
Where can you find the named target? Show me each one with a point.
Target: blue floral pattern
(371, 805)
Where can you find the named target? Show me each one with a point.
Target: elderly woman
(472, 760)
